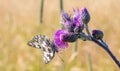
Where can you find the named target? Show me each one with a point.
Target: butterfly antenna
(60, 58)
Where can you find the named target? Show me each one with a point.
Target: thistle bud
(97, 34)
(85, 17)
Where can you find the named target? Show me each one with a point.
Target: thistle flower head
(97, 34)
(57, 39)
(75, 23)
(79, 28)
(85, 17)
(67, 21)
(76, 17)
(64, 16)
(81, 15)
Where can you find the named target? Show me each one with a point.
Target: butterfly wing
(36, 41)
(48, 50)
(46, 45)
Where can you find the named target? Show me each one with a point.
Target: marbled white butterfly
(47, 47)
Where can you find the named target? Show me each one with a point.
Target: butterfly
(47, 47)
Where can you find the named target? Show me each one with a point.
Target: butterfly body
(47, 47)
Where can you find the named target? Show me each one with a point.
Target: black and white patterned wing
(36, 41)
(46, 45)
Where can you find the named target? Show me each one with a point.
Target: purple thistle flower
(67, 21)
(76, 17)
(57, 39)
(64, 17)
(77, 20)
(85, 17)
(81, 15)
(79, 28)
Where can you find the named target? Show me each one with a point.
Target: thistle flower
(57, 39)
(81, 15)
(67, 21)
(97, 34)
(64, 16)
(76, 17)
(79, 28)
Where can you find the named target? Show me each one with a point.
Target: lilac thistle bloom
(67, 21)
(81, 15)
(57, 39)
(79, 26)
(85, 17)
(76, 17)
(64, 17)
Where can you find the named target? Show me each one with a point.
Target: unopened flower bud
(85, 17)
(97, 34)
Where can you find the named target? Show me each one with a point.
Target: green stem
(61, 5)
(41, 10)
(87, 30)
(89, 62)
(75, 47)
(61, 9)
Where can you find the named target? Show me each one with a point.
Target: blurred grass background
(19, 22)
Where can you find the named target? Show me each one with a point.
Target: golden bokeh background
(19, 22)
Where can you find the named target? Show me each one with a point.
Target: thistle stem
(87, 30)
(103, 45)
(61, 9)
(108, 51)
(75, 47)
